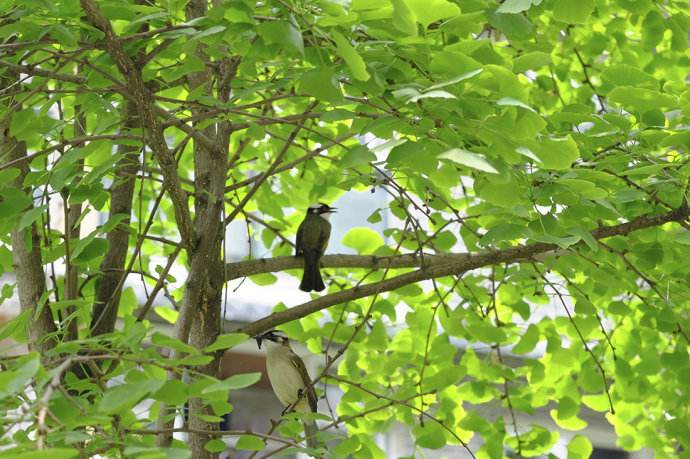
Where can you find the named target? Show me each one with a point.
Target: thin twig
(579, 334)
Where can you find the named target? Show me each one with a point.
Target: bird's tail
(311, 278)
(310, 431)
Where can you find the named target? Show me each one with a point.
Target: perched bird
(289, 378)
(312, 239)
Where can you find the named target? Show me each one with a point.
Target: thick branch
(149, 120)
(41, 72)
(245, 268)
(78, 140)
(457, 264)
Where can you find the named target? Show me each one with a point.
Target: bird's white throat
(272, 347)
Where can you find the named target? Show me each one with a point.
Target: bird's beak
(258, 340)
(332, 209)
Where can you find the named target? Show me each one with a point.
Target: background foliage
(547, 138)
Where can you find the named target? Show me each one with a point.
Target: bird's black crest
(320, 208)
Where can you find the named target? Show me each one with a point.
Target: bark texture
(199, 320)
(72, 230)
(27, 264)
(109, 284)
(441, 266)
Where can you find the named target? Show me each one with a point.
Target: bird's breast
(285, 379)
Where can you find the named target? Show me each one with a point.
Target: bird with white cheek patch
(289, 378)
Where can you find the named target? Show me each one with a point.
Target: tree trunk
(112, 276)
(26, 259)
(199, 320)
(72, 232)
(204, 331)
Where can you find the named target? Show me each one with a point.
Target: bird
(289, 379)
(311, 242)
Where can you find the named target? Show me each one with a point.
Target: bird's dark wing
(311, 394)
(323, 237)
(299, 245)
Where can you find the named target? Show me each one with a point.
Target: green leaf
(469, 159)
(509, 101)
(347, 447)
(430, 435)
(30, 216)
(641, 99)
(234, 382)
(95, 248)
(15, 328)
(403, 18)
(531, 61)
(173, 392)
(21, 122)
(506, 194)
(226, 341)
(628, 75)
(515, 26)
(112, 222)
(63, 35)
(128, 303)
(264, 279)
(160, 339)
(283, 33)
(514, 6)
(15, 379)
(195, 360)
(458, 79)
(562, 242)
(524, 151)
(584, 188)
(357, 156)
(645, 171)
(363, 240)
(528, 341)
(7, 176)
(49, 453)
(12, 202)
(436, 94)
(504, 232)
(683, 238)
(156, 452)
(322, 84)
(430, 11)
(653, 28)
(215, 446)
(353, 60)
(573, 11)
(121, 398)
(169, 314)
(579, 448)
(250, 443)
(558, 154)
(567, 408)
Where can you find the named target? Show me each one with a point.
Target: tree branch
(433, 267)
(271, 169)
(154, 129)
